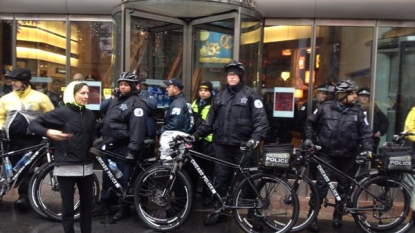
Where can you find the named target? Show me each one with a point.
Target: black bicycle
(163, 194)
(289, 164)
(46, 188)
(42, 155)
(377, 201)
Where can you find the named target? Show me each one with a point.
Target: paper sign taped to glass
(284, 102)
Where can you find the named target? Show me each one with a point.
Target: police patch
(175, 111)
(258, 104)
(138, 112)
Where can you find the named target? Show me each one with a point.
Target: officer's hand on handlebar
(308, 143)
(252, 143)
(368, 154)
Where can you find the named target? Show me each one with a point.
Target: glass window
(6, 58)
(214, 47)
(395, 75)
(249, 51)
(285, 64)
(41, 48)
(91, 50)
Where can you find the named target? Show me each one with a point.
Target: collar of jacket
(23, 93)
(180, 95)
(234, 89)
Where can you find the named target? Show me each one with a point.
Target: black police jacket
(125, 121)
(236, 115)
(339, 131)
(178, 116)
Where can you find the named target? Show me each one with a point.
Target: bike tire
(32, 192)
(163, 213)
(304, 186)
(388, 209)
(48, 197)
(277, 207)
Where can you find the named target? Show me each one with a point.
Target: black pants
(346, 165)
(232, 154)
(85, 186)
(206, 165)
(18, 142)
(125, 168)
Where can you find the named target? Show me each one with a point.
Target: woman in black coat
(71, 127)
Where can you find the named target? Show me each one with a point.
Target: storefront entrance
(191, 40)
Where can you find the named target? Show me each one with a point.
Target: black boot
(123, 213)
(22, 203)
(215, 218)
(337, 219)
(314, 226)
(254, 221)
(103, 208)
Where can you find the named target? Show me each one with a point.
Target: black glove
(368, 154)
(308, 143)
(97, 142)
(130, 157)
(252, 143)
(195, 137)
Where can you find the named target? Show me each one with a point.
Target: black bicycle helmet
(345, 86)
(235, 66)
(128, 77)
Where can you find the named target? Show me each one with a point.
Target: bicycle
(374, 204)
(293, 170)
(42, 155)
(47, 192)
(163, 194)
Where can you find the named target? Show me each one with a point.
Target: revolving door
(191, 40)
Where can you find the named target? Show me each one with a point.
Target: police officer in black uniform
(123, 131)
(236, 115)
(340, 126)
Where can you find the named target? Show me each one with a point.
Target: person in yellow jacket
(201, 106)
(410, 127)
(17, 109)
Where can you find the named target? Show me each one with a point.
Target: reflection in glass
(156, 49)
(91, 42)
(41, 48)
(395, 75)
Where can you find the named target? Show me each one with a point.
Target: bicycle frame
(44, 146)
(333, 189)
(139, 166)
(238, 170)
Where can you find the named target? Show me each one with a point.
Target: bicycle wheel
(32, 192)
(160, 207)
(45, 192)
(308, 210)
(273, 202)
(383, 204)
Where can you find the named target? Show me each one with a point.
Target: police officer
(340, 126)
(124, 125)
(237, 115)
(179, 114)
(320, 95)
(380, 120)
